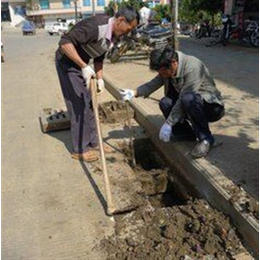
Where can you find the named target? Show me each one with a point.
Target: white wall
(16, 19)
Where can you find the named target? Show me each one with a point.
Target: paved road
(50, 209)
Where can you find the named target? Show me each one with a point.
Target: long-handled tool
(131, 135)
(110, 205)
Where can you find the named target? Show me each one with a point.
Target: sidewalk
(232, 165)
(236, 75)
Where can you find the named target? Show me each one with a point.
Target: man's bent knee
(187, 98)
(165, 103)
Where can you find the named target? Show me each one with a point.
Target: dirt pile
(191, 231)
(168, 226)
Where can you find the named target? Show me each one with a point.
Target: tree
(193, 10)
(137, 4)
(32, 5)
(29, 4)
(211, 7)
(110, 9)
(162, 11)
(187, 13)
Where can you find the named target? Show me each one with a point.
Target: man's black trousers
(197, 111)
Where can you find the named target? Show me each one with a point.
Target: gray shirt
(192, 76)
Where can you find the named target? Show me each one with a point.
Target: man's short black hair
(162, 58)
(129, 13)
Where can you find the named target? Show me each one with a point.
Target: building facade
(48, 11)
(13, 11)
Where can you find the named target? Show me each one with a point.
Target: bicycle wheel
(254, 39)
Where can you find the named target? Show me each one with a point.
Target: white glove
(165, 132)
(87, 73)
(127, 94)
(100, 85)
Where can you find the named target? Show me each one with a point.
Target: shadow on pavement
(235, 65)
(65, 137)
(238, 161)
(94, 185)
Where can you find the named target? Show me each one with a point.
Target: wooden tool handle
(131, 134)
(110, 205)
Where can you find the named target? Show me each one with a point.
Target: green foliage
(137, 4)
(211, 7)
(29, 4)
(194, 10)
(189, 10)
(109, 10)
(162, 11)
(187, 13)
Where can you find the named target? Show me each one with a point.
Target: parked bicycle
(224, 34)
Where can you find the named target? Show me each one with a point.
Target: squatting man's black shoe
(202, 148)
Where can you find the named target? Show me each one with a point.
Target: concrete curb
(201, 174)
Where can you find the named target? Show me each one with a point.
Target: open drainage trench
(170, 224)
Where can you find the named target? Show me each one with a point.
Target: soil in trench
(167, 227)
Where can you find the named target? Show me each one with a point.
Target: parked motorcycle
(251, 33)
(232, 32)
(143, 39)
(204, 30)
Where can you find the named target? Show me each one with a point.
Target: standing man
(88, 39)
(191, 97)
(145, 14)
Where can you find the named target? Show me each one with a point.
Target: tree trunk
(212, 20)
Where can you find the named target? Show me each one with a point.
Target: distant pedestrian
(88, 39)
(191, 100)
(145, 14)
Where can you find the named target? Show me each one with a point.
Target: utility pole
(93, 8)
(76, 11)
(176, 12)
(174, 16)
(115, 7)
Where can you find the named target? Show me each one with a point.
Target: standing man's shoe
(89, 156)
